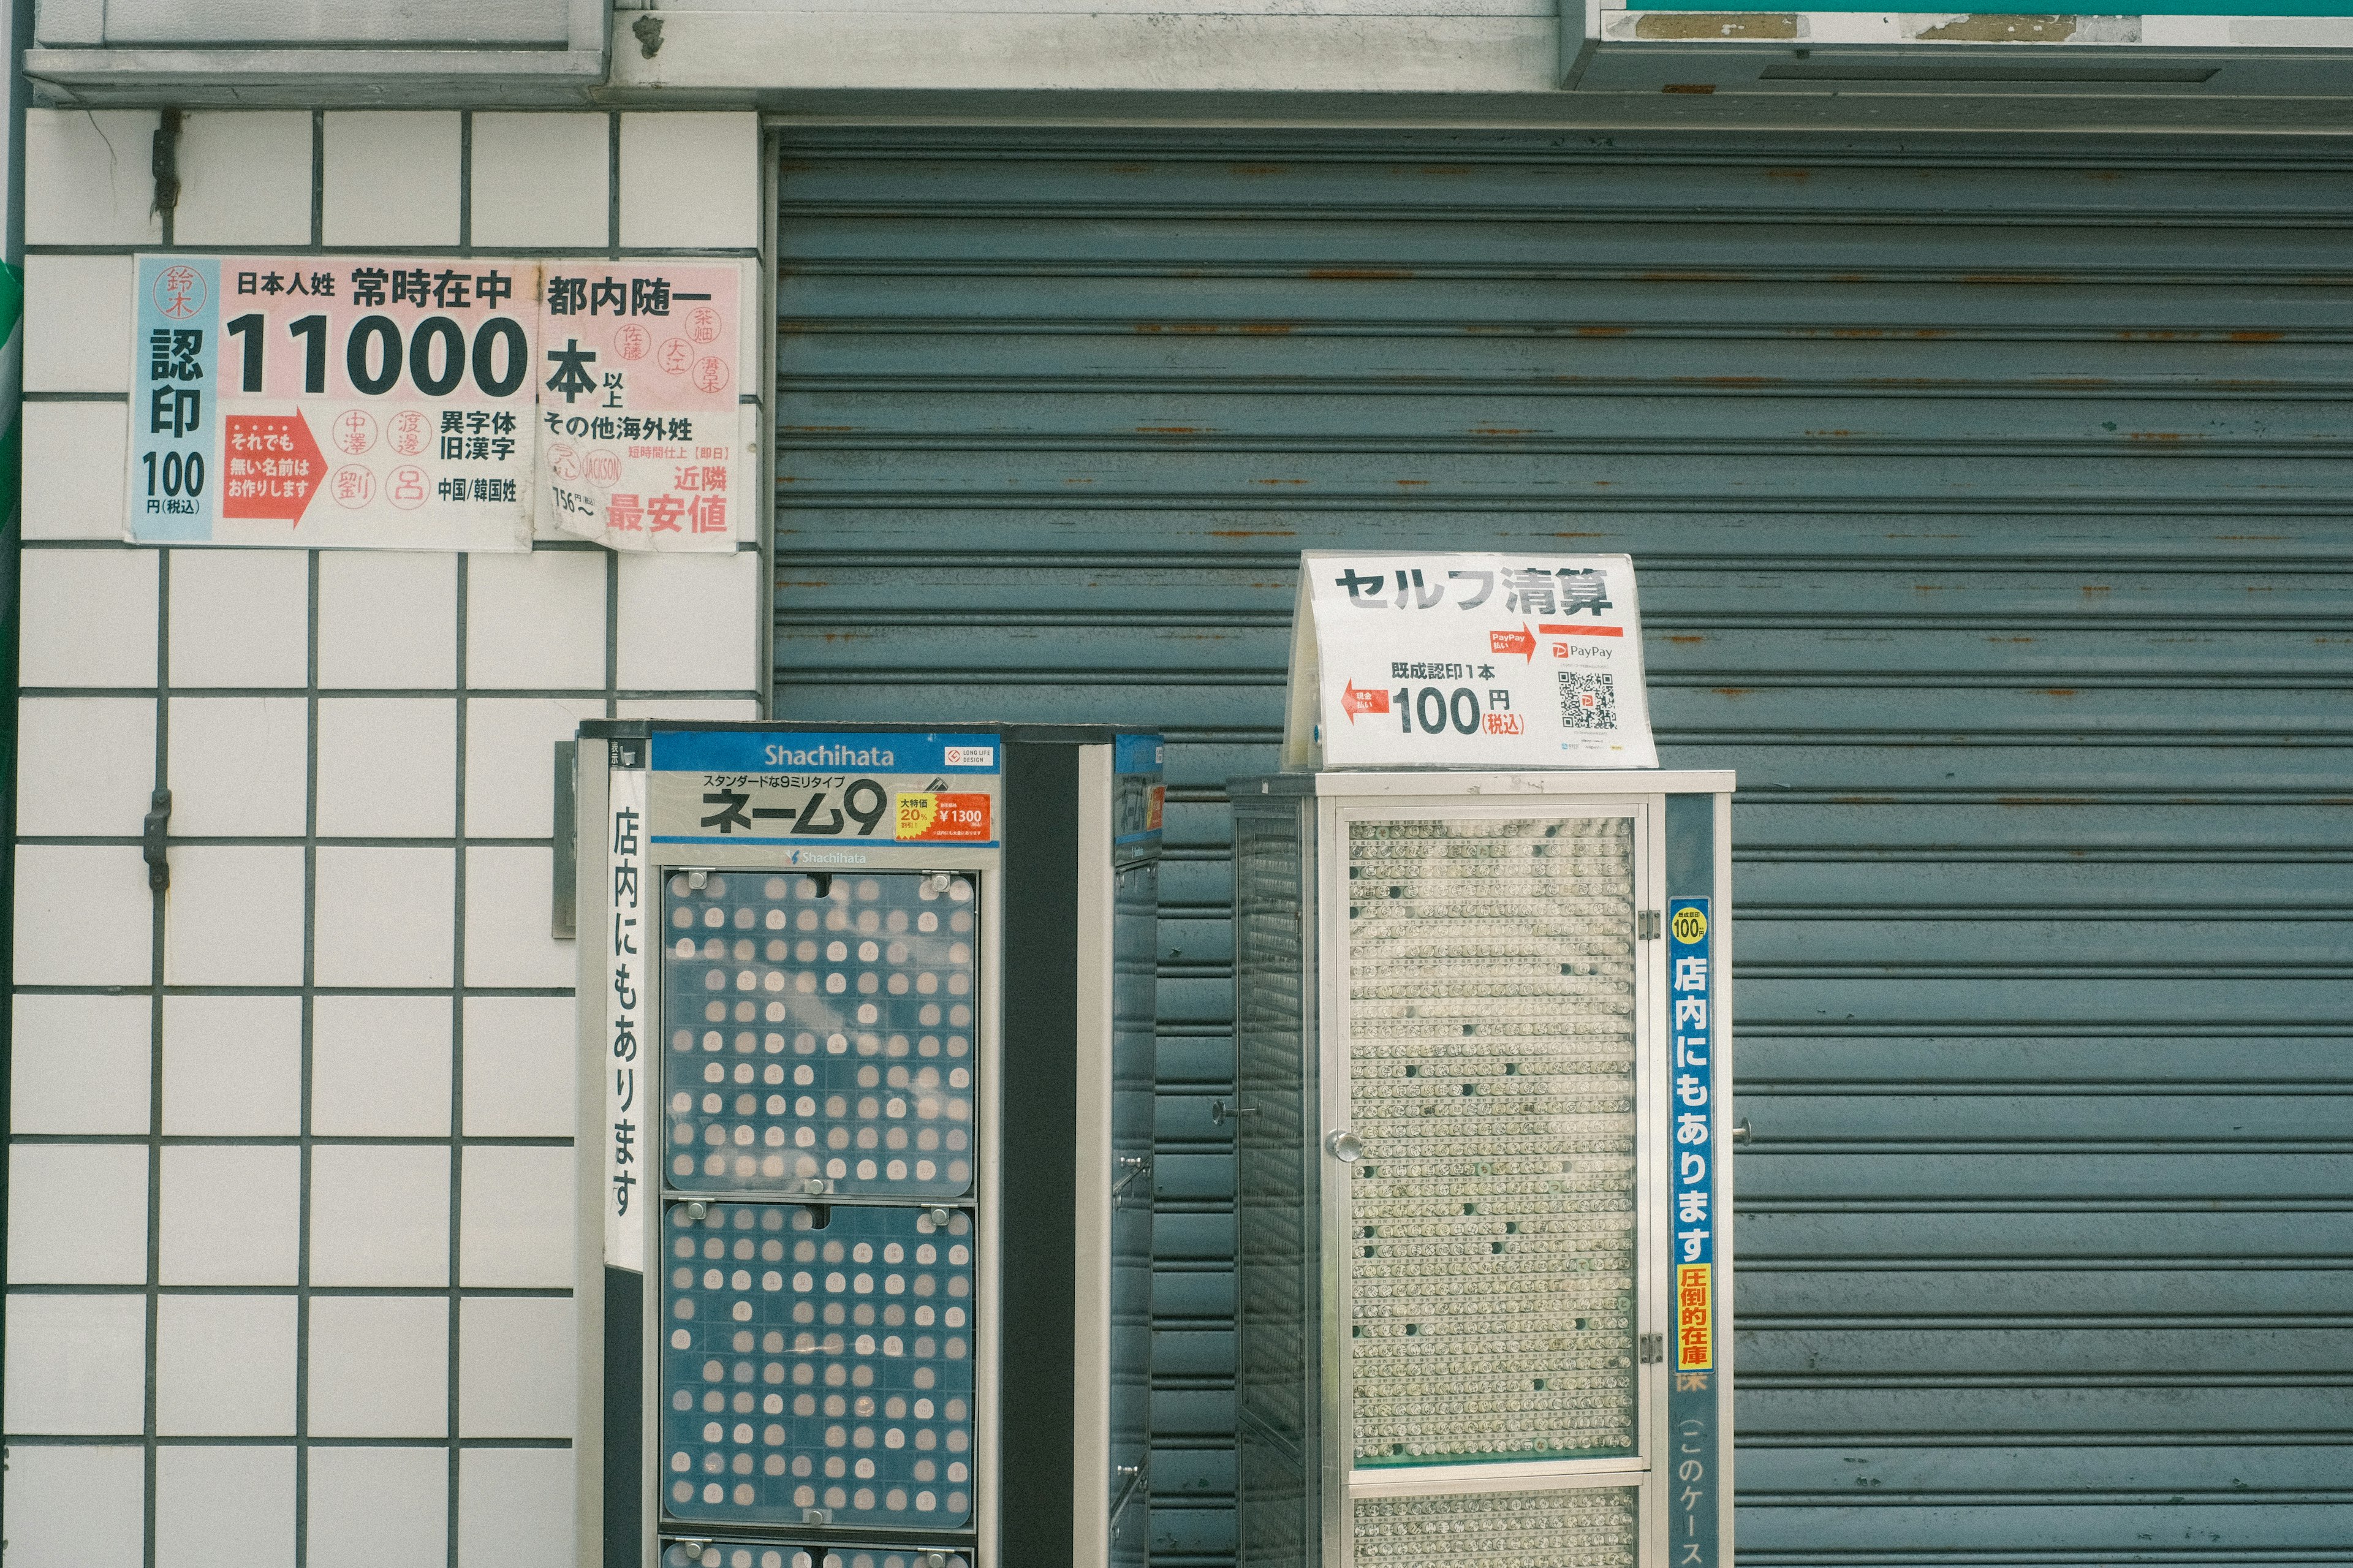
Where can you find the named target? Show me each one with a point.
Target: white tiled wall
(289, 1247)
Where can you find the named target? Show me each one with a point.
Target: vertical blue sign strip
(174, 402)
(1693, 1146)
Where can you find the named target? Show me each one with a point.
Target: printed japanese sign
(828, 795)
(1467, 661)
(629, 969)
(1694, 1150)
(321, 400)
(642, 431)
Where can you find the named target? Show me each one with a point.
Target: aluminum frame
(1343, 1482)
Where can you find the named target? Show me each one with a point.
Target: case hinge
(1646, 926)
(1654, 1349)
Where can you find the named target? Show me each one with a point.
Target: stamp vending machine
(866, 1120)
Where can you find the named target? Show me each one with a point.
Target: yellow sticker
(1690, 923)
(916, 815)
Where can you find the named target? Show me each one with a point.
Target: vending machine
(866, 1135)
(1484, 1046)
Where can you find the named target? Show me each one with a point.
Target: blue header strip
(824, 750)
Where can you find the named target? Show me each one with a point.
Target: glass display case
(1470, 1103)
(870, 1079)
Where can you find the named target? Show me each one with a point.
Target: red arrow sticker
(274, 466)
(1523, 641)
(1354, 701)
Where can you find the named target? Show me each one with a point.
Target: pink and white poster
(641, 425)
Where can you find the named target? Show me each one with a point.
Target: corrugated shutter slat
(1993, 509)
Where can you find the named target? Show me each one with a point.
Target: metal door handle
(1222, 1111)
(1343, 1146)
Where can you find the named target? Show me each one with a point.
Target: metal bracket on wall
(564, 912)
(1653, 1349)
(1646, 926)
(152, 840)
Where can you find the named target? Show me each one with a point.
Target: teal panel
(1995, 519)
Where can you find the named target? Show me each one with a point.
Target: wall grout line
(318, 179)
(158, 934)
(310, 1021)
(458, 1076)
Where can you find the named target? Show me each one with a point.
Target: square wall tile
(689, 622)
(387, 767)
(234, 915)
(87, 618)
(511, 762)
(87, 179)
(75, 458)
(518, 1215)
(514, 1508)
(231, 1216)
(241, 766)
(379, 1215)
(510, 903)
(387, 618)
(240, 617)
(83, 763)
(391, 177)
(729, 708)
(78, 322)
(691, 182)
(379, 1368)
(76, 1365)
(82, 1505)
(522, 1076)
(380, 1066)
(80, 1064)
(83, 916)
(543, 179)
(233, 1065)
(224, 1508)
(517, 1367)
(245, 179)
(385, 916)
(224, 1366)
(379, 1507)
(78, 1214)
(536, 621)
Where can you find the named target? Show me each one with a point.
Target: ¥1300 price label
(367, 401)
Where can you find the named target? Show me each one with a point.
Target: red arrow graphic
(1354, 701)
(1523, 641)
(274, 466)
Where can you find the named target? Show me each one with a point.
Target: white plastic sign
(1426, 660)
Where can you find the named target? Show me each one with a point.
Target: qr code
(1588, 702)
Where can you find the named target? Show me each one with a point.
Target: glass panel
(821, 1026)
(1587, 1527)
(1274, 1086)
(1490, 1030)
(1277, 1520)
(817, 1366)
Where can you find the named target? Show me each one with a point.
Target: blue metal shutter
(1990, 501)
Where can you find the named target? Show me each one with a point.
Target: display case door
(1492, 1260)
